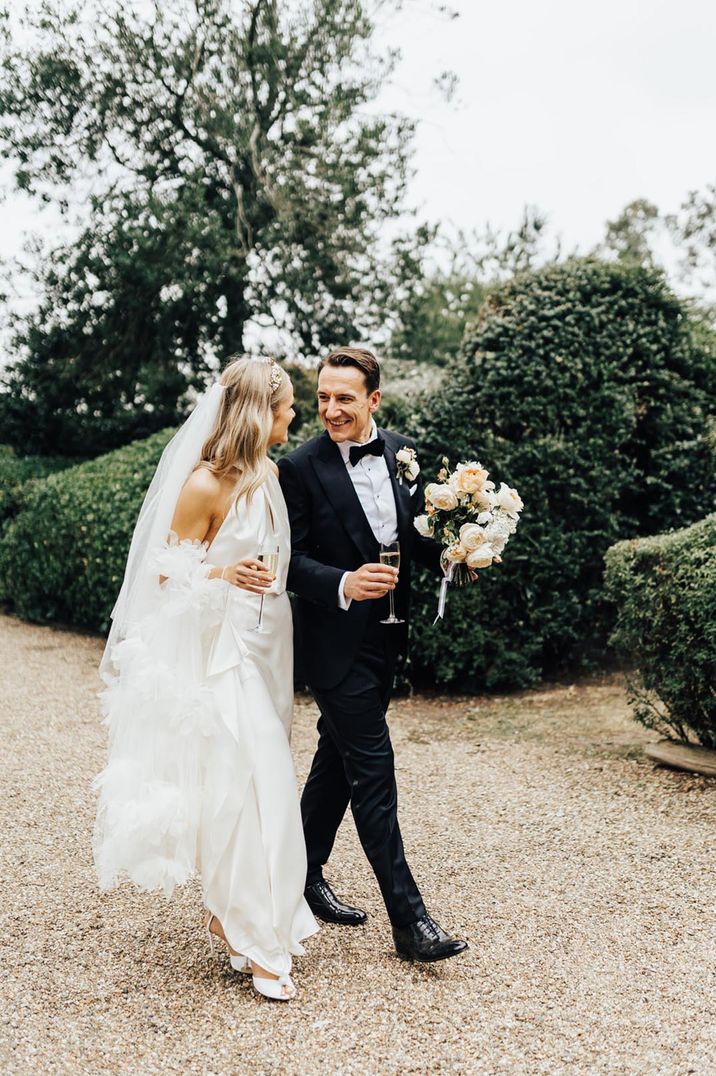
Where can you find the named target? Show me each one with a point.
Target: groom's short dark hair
(361, 358)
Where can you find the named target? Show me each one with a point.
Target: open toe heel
(281, 989)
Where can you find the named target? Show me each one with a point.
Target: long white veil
(140, 587)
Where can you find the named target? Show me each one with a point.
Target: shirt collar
(344, 447)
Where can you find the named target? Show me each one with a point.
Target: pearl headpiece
(276, 377)
(276, 374)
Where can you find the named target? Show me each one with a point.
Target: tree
(630, 237)
(693, 230)
(126, 325)
(435, 282)
(242, 179)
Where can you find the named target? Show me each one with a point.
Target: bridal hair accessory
(140, 586)
(472, 520)
(276, 375)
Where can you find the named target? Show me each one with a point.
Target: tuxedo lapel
(401, 490)
(340, 491)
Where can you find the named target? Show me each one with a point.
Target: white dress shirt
(371, 481)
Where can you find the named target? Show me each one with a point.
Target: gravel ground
(582, 876)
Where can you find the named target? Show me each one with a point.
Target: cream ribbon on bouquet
(472, 520)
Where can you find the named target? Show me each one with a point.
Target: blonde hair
(253, 390)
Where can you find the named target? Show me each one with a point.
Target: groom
(346, 495)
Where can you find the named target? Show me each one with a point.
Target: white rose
(412, 471)
(497, 542)
(484, 518)
(509, 500)
(441, 497)
(456, 553)
(422, 526)
(471, 536)
(481, 557)
(404, 455)
(484, 499)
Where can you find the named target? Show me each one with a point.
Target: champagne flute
(269, 559)
(390, 555)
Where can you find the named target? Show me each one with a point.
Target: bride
(199, 697)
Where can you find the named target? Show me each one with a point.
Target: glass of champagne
(390, 555)
(269, 559)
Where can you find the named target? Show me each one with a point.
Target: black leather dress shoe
(426, 941)
(325, 905)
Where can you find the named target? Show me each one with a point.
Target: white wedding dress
(200, 777)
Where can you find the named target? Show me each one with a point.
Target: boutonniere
(406, 464)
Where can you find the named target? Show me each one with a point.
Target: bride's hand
(248, 575)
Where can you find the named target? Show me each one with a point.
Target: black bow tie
(376, 447)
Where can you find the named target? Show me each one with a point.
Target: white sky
(576, 108)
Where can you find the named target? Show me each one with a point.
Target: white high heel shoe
(239, 962)
(269, 988)
(274, 988)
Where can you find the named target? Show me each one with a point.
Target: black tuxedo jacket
(330, 535)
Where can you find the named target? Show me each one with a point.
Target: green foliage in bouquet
(62, 557)
(16, 471)
(664, 589)
(590, 388)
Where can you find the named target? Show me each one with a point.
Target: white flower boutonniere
(406, 462)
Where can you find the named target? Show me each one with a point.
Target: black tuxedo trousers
(354, 764)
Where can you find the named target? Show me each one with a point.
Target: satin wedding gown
(200, 776)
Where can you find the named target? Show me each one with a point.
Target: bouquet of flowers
(471, 518)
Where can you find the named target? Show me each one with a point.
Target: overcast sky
(576, 108)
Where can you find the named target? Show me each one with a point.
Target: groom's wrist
(343, 602)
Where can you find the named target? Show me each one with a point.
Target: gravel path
(582, 876)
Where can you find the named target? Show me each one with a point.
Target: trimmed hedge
(16, 471)
(664, 589)
(589, 387)
(62, 558)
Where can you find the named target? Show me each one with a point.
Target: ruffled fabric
(160, 711)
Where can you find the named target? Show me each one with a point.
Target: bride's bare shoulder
(203, 485)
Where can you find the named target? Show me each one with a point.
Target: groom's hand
(370, 581)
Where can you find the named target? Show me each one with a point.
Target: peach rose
(469, 477)
(456, 552)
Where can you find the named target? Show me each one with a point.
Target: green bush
(590, 388)
(62, 557)
(664, 589)
(16, 471)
